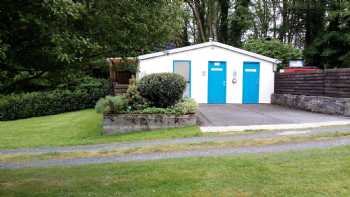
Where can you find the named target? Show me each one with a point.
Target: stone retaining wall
(123, 123)
(320, 104)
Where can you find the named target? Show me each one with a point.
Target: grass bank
(73, 128)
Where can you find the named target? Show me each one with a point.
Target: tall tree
(131, 27)
(275, 16)
(262, 18)
(42, 40)
(314, 19)
(224, 21)
(331, 48)
(198, 9)
(45, 41)
(240, 22)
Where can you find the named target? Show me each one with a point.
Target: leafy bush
(16, 106)
(158, 110)
(111, 104)
(186, 106)
(273, 48)
(101, 106)
(162, 89)
(86, 83)
(135, 100)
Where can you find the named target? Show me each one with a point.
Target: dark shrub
(27, 105)
(162, 89)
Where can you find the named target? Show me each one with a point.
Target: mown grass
(172, 147)
(310, 173)
(73, 128)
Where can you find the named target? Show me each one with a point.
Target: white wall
(199, 72)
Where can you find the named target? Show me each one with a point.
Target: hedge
(17, 106)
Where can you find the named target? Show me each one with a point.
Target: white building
(216, 73)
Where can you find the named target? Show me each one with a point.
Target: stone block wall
(124, 123)
(320, 104)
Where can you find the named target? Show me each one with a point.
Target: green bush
(101, 106)
(111, 104)
(135, 100)
(86, 83)
(157, 110)
(162, 89)
(186, 106)
(16, 106)
(273, 48)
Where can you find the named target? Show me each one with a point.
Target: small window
(183, 68)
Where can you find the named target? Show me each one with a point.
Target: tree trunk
(195, 7)
(223, 26)
(284, 26)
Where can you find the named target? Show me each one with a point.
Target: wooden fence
(331, 83)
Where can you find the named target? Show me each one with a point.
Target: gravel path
(182, 154)
(222, 138)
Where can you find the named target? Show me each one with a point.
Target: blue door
(251, 77)
(216, 82)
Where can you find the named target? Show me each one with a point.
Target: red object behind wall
(295, 70)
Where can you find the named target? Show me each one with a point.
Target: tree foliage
(331, 49)
(273, 48)
(318, 26)
(240, 22)
(45, 42)
(221, 20)
(130, 27)
(40, 40)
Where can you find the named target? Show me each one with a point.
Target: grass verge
(172, 147)
(309, 173)
(73, 128)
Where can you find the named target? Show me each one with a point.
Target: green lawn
(82, 127)
(171, 148)
(310, 173)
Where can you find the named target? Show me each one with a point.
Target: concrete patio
(237, 117)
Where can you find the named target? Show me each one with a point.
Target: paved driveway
(262, 114)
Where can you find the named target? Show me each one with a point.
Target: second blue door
(251, 78)
(216, 82)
